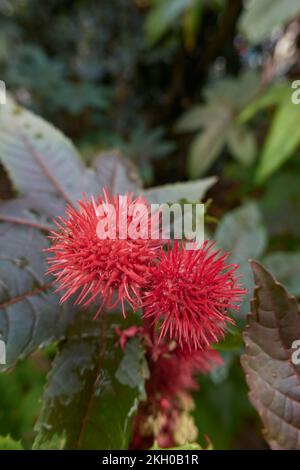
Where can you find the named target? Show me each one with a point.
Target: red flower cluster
(188, 292)
(109, 270)
(185, 296)
(192, 291)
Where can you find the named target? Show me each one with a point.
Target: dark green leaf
(93, 390)
(30, 314)
(162, 16)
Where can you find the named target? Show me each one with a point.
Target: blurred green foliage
(20, 399)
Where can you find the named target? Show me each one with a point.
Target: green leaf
(162, 16)
(30, 314)
(93, 390)
(222, 423)
(233, 93)
(192, 23)
(270, 96)
(242, 233)
(281, 204)
(133, 367)
(283, 139)
(20, 393)
(242, 144)
(201, 116)
(273, 379)
(40, 160)
(286, 267)
(7, 443)
(116, 173)
(225, 98)
(261, 17)
(232, 341)
(205, 148)
(192, 191)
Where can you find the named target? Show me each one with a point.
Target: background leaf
(192, 191)
(205, 148)
(262, 16)
(163, 15)
(242, 144)
(7, 443)
(286, 267)
(242, 233)
(283, 138)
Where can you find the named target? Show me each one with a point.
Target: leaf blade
(86, 406)
(278, 148)
(274, 381)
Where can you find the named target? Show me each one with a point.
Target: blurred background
(184, 89)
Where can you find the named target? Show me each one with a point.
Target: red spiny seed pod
(112, 270)
(191, 293)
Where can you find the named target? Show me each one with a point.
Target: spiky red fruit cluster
(191, 292)
(107, 270)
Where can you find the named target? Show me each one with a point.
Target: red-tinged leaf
(116, 173)
(273, 378)
(94, 387)
(30, 314)
(40, 161)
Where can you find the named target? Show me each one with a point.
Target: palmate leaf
(273, 379)
(30, 314)
(116, 173)
(225, 98)
(40, 160)
(93, 389)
